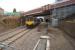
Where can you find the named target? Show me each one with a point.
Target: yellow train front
(30, 22)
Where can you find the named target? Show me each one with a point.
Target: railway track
(13, 38)
(9, 41)
(16, 37)
(27, 41)
(10, 35)
(10, 31)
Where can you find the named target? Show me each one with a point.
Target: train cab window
(29, 19)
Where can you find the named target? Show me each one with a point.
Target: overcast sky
(23, 5)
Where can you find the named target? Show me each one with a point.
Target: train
(30, 21)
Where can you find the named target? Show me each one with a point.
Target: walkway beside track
(60, 40)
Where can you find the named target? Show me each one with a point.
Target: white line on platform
(36, 44)
(48, 45)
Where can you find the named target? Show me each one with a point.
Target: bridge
(58, 10)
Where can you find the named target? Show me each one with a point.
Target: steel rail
(4, 33)
(6, 44)
(12, 36)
